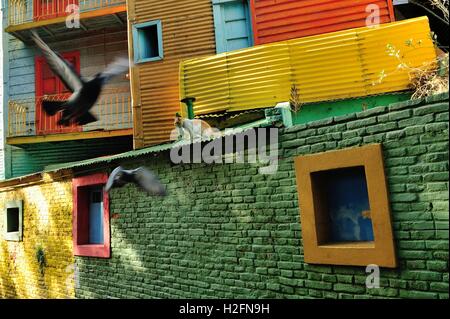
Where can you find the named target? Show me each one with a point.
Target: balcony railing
(113, 111)
(23, 11)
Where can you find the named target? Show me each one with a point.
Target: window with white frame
(13, 221)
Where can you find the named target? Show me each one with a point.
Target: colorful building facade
(90, 35)
(221, 64)
(244, 239)
(2, 118)
(185, 30)
(227, 230)
(263, 76)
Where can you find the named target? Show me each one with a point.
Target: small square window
(91, 233)
(13, 221)
(343, 194)
(148, 42)
(344, 208)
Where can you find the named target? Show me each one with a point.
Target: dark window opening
(12, 218)
(342, 202)
(148, 40)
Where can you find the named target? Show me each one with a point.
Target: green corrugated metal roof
(106, 159)
(149, 150)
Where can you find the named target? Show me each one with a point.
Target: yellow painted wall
(188, 31)
(47, 223)
(340, 65)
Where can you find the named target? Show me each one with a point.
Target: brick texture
(226, 231)
(47, 224)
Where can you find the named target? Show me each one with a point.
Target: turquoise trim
(323, 110)
(139, 41)
(219, 24)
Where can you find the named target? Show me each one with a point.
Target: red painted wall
(278, 20)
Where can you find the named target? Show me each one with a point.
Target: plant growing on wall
(294, 101)
(40, 258)
(442, 5)
(429, 79)
(432, 77)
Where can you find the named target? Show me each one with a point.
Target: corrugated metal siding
(338, 65)
(279, 20)
(3, 46)
(36, 156)
(188, 31)
(21, 69)
(154, 149)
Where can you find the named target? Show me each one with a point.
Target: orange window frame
(381, 251)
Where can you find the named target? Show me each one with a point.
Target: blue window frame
(232, 24)
(148, 42)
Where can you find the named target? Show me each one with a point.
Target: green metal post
(189, 101)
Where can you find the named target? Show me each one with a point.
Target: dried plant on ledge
(428, 79)
(431, 80)
(442, 5)
(294, 101)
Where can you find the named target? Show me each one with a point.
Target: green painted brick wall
(226, 231)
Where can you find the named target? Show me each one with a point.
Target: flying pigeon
(142, 177)
(85, 93)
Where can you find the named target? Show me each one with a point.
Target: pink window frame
(80, 214)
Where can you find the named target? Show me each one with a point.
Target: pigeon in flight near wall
(85, 93)
(142, 177)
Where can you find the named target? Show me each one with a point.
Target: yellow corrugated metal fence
(339, 65)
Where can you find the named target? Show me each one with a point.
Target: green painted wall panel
(34, 157)
(319, 111)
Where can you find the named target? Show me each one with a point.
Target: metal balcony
(23, 11)
(25, 119)
(54, 16)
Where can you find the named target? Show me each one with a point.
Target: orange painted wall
(188, 32)
(278, 20)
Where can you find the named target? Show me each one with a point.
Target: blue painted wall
(3, 91)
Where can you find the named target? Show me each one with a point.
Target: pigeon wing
(65, 72)
(119, 66)
(149, 182)
(86, 119)
(111, 183)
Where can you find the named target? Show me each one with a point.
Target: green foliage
(40, 258)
